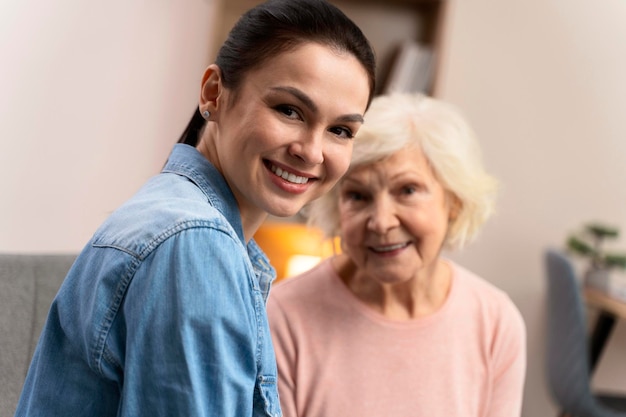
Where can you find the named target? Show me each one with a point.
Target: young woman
(163, 313)
(390, 327)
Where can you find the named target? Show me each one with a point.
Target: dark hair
(276, 26)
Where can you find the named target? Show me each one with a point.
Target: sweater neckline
(372, 315)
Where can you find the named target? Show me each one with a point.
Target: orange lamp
(293, 247)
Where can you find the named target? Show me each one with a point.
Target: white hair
(402, 120)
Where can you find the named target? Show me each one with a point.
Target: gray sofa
(28, 283)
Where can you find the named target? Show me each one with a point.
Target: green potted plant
(589, 244)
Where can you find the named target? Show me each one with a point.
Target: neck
(251, 224)
(251, 218)
(418, 297)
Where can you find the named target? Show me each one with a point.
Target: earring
(206, 114)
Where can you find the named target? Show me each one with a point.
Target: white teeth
(288, 176)
(389, 248)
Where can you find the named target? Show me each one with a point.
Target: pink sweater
(338, 358)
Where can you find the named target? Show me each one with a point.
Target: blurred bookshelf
(407, 36)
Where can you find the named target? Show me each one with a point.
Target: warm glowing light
(293, 248)
(297, 264)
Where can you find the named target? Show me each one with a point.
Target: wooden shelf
(385, 23)
(600, 300)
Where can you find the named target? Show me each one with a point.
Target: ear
(456, 205)
(211, 90)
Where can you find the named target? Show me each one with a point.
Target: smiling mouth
(389, 248)
(288, 176)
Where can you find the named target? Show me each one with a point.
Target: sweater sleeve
(509, 359)
(285, 349)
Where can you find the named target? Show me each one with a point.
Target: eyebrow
(308, 102)
(351, 182)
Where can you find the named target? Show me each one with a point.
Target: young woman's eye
(288, 111)
(342, 132)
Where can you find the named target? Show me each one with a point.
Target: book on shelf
(412, 69)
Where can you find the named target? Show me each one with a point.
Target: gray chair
(568, 365)
(28, 283)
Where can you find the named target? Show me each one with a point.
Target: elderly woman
(390, 327)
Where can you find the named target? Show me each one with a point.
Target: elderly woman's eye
(353, 196)
(411, 189)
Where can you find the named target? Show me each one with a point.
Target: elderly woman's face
(394, 217)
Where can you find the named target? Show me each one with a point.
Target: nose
(309, 147)
(383, 216)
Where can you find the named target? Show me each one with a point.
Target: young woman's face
(394, 217)
(285, 137)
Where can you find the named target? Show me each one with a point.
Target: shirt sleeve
(190, 330)
(509, 355)
(284, 347)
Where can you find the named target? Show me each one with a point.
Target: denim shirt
(163, 312)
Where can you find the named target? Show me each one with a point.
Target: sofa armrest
(28, 284)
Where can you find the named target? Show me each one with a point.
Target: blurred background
(94, 94)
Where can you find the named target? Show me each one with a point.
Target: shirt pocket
(268, 392)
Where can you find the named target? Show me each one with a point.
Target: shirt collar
(187, 161)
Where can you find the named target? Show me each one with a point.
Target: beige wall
(542, 82)
(94, 95)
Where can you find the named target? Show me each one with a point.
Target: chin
(285, 207)
(284, 211)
